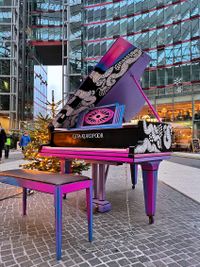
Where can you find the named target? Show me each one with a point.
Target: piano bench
(56, 184)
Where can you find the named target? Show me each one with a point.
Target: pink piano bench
(56, 184)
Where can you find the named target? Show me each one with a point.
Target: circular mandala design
(99, 116)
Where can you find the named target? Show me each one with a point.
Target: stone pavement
(122, 237)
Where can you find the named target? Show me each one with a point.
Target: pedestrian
(25, 139)
(2, 140)
(7, 146)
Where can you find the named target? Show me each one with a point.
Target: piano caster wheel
(95, 209)
(133, 186)
(151, 219)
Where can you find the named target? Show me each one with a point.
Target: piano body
(89, 127)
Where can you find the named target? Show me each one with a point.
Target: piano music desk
(149, 163)
(56, 184)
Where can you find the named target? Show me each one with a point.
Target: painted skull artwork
(157, 138)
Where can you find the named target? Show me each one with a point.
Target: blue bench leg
(58, 221)
(89, 193)
(24, 200)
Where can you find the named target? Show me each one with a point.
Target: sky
(54, 80)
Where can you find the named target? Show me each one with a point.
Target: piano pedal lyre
(94, 208)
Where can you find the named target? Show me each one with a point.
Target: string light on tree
(39, 135)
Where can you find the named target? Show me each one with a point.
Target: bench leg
(24, 200)
(58, 221)
(89, 211)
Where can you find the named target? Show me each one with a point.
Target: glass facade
(9, 62)
(168, 30)
(58, 23)
(17, 60)
(40, 91)
(46, 20)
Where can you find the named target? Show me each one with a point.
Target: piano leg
(95, 179)
(134, 174)
(24, 200)
(150, 181)
(68, 166)
(100, 202)
(65, 167)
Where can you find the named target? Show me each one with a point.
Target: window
(177, 53)
(195, 49)
(169, 55)
(195, 72)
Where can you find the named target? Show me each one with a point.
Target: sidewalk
(184, 179)
(187, 155)
(122, 237)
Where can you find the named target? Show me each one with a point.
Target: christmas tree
(40, 135)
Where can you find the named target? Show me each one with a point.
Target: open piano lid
(110, 82)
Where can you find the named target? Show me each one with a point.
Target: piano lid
(108, 83)
(126, 92)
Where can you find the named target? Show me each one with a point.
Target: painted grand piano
(92, 125)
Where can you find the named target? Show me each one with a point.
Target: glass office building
(56, 36)
(9, 61)
(17, 60)
(169, 31)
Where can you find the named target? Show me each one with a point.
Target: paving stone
(78, 260)
(174, 264)
(69, 263)
(105, 259)
(43, 264)
(26, 264)
(7, 258)
(9, 263)
(113, 264)
(123, 262)
(94, 262)
(160, 264)
(143, 259)
(184, 263)
(138, 265)
(119, 239)
(88, 256)
(149, 264)
(85, 264)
